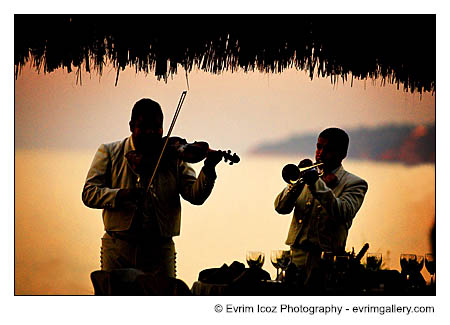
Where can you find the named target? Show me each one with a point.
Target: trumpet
(292, 174)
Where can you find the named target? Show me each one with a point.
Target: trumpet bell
(290, 173)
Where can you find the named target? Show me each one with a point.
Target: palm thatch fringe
(399, 49)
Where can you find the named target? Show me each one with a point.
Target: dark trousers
(309, 261)
(155, 256)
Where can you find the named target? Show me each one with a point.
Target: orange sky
(236, 111)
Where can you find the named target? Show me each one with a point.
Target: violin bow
(174, 119)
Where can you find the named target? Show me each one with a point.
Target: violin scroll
(233, 159)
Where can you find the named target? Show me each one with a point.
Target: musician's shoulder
(354, 179)
(116, 147)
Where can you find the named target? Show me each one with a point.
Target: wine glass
(326, 262)
(373, 261)
(341, 263)
(327, 259)
(430, 265)
(418, 264)
(255, 259)
(284, 259)
(274, 256)
(407, 263)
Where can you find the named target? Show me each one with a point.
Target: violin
(195, 152)
(189, 152)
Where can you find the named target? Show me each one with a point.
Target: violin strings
(175, 116)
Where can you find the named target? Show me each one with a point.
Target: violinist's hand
(127, 196)
(213, 158)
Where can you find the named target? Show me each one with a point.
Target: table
(379, 283)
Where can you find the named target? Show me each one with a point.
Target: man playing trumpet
(324, 205)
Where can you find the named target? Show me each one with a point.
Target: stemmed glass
(373, 261)
(430, 265)
(407, 262)
(281, 259)
(274, 256)
(418, 264)
(327, 259)
(255, 259)
(341, 263)
(285, 260)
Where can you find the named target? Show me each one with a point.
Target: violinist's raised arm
(141, 207)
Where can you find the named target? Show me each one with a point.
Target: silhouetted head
(146, 124)
(332, 146)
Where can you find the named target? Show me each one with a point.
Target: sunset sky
(230, 111)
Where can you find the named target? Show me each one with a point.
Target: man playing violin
(140, 218)
(324, 205)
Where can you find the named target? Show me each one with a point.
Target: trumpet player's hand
(311, 176)
(296, 187)
(305, 163)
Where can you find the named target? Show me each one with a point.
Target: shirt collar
(129, 145)
(339, 172)
(132, 143)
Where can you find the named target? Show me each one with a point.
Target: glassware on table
(417, 265)
(411, 266)
(255, 259)
(274, 255)
(407, 262)
(281, 259)
(327, 260)
(430, 265)
(373, 261)
(285, 259)
(341, 263)
(327, 257)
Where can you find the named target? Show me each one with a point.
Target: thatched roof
(400, 49)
